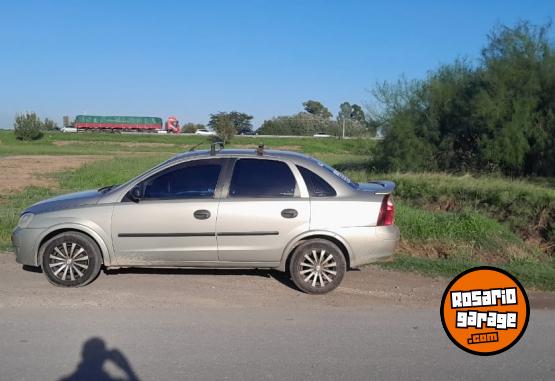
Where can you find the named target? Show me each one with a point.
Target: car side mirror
(136, 193)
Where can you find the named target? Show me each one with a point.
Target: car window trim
(217, 190)
(312, 185)
(227, 181)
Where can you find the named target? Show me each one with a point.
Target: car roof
(295, 156)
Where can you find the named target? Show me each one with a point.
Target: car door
(260, 211)
(174, 221)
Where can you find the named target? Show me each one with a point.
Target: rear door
(260, 211)
(175, 220)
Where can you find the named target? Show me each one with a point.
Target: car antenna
(195, 147)
(260, 150)
(219, 145)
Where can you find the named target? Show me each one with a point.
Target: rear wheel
(71, 259)
(317, 266)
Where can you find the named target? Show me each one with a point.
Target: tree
(224, 126)
(316, 108)
(49, 125)
(191, 128)
(28, 127)
(357, 114)
(302, 123)
(240, 121)
(352, 121)
(497, 115)
(344, 116)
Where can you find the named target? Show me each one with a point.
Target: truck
(120, 124)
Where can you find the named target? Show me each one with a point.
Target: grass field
(448, 223)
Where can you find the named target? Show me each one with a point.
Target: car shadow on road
(279, 276)
(94, 357)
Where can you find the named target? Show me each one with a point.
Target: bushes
(28, 127)
(527, 209)
(494, 116)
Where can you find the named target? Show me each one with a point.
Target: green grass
(108, 143)
(527, 208)
(107, 172)
(539, 275)
(468, 226)
(12, 205)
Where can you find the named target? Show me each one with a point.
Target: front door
(262, 212)
(174, 222)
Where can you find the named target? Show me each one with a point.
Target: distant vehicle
(321, 135)
(68, 129)
(115, 123)
(220, 209)
(204, 132)
(172, 126)
(246, 132)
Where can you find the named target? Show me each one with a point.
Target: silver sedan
(220, 209)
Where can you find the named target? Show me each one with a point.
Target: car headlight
(25, 220)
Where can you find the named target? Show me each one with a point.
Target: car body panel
(150, 232)
(254, 230)
(66, 201)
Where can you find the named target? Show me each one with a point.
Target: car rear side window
(197, 180)
(261, 178)
(317, 186)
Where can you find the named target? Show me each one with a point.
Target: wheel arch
(95, 237)
(321, 234)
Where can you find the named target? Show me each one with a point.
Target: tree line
(316, 118)
(494, 115)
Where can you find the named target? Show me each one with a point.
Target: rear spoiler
(377, 187)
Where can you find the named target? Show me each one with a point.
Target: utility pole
(343, 129)
(345, 112)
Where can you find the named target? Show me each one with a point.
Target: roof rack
(218, 145)
(260, 150)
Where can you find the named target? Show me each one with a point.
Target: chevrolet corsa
(220, 209)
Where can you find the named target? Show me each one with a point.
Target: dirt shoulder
(159, 289)
(23, 171)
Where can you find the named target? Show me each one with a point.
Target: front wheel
(317, 266)
(71, 259)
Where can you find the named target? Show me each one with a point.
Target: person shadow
(95, 356)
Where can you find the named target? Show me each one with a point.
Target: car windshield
(337, 173)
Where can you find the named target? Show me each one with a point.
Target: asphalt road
(239, 325)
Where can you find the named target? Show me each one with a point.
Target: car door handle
(289, 213)
(202, 214)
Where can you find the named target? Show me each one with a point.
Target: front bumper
(25, 243)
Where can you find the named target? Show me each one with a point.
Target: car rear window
(317, 186)
(262, 178)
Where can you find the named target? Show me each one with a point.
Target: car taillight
(387, 212)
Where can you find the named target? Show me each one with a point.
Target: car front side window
(191, 180)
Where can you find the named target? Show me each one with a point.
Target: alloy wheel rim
(318, 268)
(68, 261)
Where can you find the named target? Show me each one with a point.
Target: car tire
(71, 259)
(317, 266)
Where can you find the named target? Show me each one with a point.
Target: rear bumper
(24, 242)
(371, 244)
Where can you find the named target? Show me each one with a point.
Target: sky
(194, 58)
